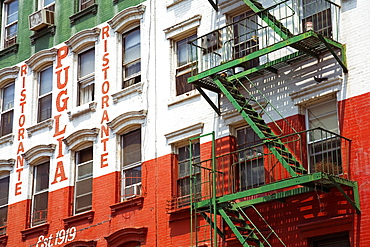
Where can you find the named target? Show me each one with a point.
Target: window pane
(85, 170)
(45, 104)
(6, 123)
(85, 155)
(132, 46)
(8, 97)
(132, 68)
(46, 79)
(83, 203)
(47, 2)
(12, 12)
(40, 206)
(42, 177)
(87, 62)
(132, 176)
(3, 219)
(86, 93)
(83, 187)
(131, 147)
(4, 191)
(11, 31)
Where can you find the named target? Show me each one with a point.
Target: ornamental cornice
(8, 74)
(39, 152)
(42, 59)
(83, 40)
(126, 17)
(79, 138)
(127, 119)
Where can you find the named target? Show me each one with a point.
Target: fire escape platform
(309, 45)
(291, 187)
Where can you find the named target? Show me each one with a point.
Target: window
(83, 4)
(186, 57)
(10, 23)
(183, 176)
(48, 4)
(324, 147)
(4, 194)
(84, 178)
(250, 171)
(317, 16)
(45, 94)
(246, 37)
(131, 58)
(40, 194)
(86, 76)
(131, 164)
(7, 109)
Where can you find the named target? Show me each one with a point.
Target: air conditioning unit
(41, 19)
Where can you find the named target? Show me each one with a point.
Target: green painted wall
(106, 9)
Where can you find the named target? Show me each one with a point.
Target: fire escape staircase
(310, 44)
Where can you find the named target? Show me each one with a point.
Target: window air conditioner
(41, 19)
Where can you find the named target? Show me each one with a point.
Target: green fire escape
(226, 64)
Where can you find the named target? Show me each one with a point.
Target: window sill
(82, 109)
(43, 32)
(179, 213)
(93, 9)
(9, 138)
(42, 125)
(9, 49)
(138, 87)
(87, 216)
(183, 97)
(41, 229)
(134, 202)
(171, 3)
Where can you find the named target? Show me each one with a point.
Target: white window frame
(136, 187)
(43, 96)
(6, 42)
(9, 110)
(35, 193)
(4, 206)
(136, 77)
(85, 81)
(184, 69)
(88, 176)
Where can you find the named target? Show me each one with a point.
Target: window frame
(88, 3)
(183, 180)
(5, 41)
(184, 71)
(45, 95)
(87, 177)
(9, 111)
(4, 206)
(321, 21)
(137, 187)
(250, 43)
(39, 193)
(135, 77)
(326, 160)
(250, 161)
(50, 6)
(85, 81)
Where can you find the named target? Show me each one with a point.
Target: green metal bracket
(209, 220)
(343, 63)
(354, 205)
(214, 107)
(214, 4)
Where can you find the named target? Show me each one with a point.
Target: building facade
(184, 123)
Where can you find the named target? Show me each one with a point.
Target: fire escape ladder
(275, 145)
(238, 225)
